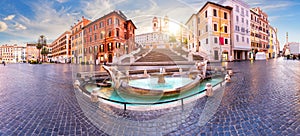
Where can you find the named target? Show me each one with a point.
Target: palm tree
(41, 43)
(44, 52)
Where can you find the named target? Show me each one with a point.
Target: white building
(240, 28)
(12, 53)
(192, 38)
(151, 39)
(294, 48)
(158, 37)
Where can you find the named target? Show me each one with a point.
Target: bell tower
(155, 26)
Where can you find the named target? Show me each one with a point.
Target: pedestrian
(3, 63)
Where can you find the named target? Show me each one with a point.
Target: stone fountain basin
(127, 89)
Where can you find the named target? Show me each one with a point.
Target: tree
(173, 38)
(41, 43)
(44, 52)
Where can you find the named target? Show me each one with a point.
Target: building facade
(61, 48)
(32, 53)
(159, 36)
(274, 47)
(240, 28)
(213, 30)
(192, 37)
(109, 36)
(12, 53)
(77, 40)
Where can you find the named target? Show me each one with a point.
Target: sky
(23, 21)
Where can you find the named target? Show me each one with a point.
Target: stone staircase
(181, 51)
(197, 58)
(161, 55)
(139, 54)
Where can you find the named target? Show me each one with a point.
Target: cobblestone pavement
(262, 99)
(39, 100)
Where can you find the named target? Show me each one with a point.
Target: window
(225, 29)
(90, 30)
(117, 45)
(109, 21)
(117, 33)
(226, 41)
(198, 20)
(247, 13)
(101, 35)
(215, 27)
(247, 21)
(95, 37)
(215, 12)
(216, 53)
(206, 40)
(237, 28)
(248, 40)
(101, 25)
(90, 49)
(205, 14)
(102, 48)
(242, 11)
(237, 38)
(225, 15)
(117, 21)
(243, 39)
(109, 47)
(96, 48)
(216, 40)
(206, 28)
(199, 32)
(237, 18)
(242, 29)
(91, 39)
(237, 8)
(109, 33)
(95, 27)
(242, 20)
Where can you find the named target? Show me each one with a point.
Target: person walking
(3, 63)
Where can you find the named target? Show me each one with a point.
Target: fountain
(161, 75)
(151, 85)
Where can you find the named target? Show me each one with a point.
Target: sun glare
(174, 28)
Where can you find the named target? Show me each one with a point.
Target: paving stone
(262, 99)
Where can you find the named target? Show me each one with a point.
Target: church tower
(155, 25)
(166, 24)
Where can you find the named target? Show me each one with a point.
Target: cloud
(3, 26)
(20, 26)
(275, 6)
(62, 1)
(50, 20)
(10, 17)
(95, 8)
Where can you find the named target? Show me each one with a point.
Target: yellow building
(273, 43)
(77, 49)
(214, 31)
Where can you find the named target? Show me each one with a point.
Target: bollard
(230, 72)
(145, 72)
(94, 97)
(227, 78)
(76, 83)
(209, 90)
(180, 71)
